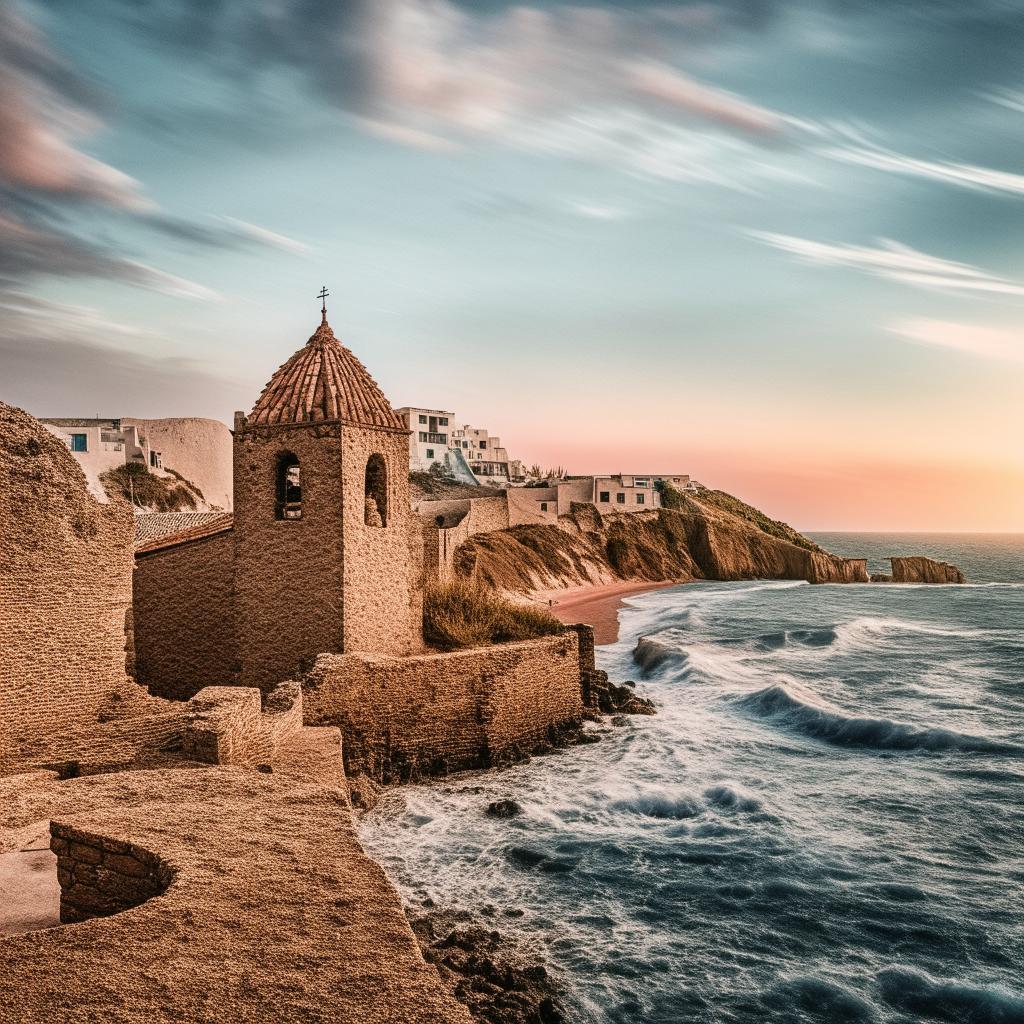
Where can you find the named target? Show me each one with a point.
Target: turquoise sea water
(824, 822)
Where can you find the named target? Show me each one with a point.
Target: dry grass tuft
(459, 614)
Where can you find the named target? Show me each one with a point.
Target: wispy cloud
(267, 237)
(963, 175)
(895, 262)
(984, 342)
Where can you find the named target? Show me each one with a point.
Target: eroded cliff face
(696, 540)
(918, 569)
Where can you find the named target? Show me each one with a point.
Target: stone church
(321, 554)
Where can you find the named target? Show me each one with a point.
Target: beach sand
(597, 606)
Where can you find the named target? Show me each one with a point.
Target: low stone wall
(229, 725)
(400, 717)
(100, 876)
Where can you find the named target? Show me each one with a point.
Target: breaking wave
(818, 720)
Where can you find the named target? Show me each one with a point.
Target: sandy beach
(597, 606)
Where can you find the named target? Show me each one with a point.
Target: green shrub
(460, 614)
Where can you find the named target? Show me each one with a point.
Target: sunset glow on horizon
(779, 247)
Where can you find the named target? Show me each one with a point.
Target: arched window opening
(375, 503)
(289, 487)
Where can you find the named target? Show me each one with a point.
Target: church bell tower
(321, 494)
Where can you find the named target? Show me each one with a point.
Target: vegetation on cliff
(710, 535)
(461, 614)
(673, 499)
(134, 482)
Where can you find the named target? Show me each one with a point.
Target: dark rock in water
(918, 569)
(619, 721)
(881, 577)
(600, 694)
(503, 809)
(496, 980)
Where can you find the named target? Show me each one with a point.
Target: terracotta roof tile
(224, 521)
(324, 381)
(154, 525)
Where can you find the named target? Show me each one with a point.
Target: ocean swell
(781, 706)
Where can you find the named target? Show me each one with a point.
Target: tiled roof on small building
(154, 525)
(211, 524)
(323, 381)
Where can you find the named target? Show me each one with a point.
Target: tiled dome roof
(323, 381)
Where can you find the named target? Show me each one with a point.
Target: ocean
(824, 822)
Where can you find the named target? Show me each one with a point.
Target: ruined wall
(377, 564)
(524, 506)
(443, 712)
(447, 524)
(288, 572)
(65, 589)
(229, 725)
(184, 616)
(99, 876)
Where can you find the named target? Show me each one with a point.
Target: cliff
(918, 569)
(700, 537)
(198, 449)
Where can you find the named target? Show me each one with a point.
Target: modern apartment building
(430, 437)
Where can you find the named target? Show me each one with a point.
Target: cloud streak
(894, 262)
(970, 176)
(993, 343)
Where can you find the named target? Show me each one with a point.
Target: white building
(430, 437)
(466, 452)
(623, 492)
(102, 444)
(486, 457)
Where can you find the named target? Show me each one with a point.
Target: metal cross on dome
(322, 295)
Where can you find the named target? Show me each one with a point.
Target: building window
(543, 506)
(375, 501)
(289, 487)
(79, 442)
(443, 420)
(465, 444)
(430, 453)
(604, 497)
(639, 499)
(423, 419)
(620, 498)
(483, 444)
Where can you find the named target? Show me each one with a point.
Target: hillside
(199, 449)
(708, 536)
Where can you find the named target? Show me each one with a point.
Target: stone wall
(524, 506)
(184, 616)
(377, 570)
(228, 724)
(100, 876)
(288, 572)
(447, 524)
(442, 712)
(65, 590)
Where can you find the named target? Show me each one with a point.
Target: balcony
(426, 438)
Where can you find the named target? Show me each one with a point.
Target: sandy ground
(597, 606)
(29, 892)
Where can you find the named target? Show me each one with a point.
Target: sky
(777, 245)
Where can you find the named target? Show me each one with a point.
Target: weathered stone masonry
(65, 590)
(100, 876)
(443, 712)
(184, 611)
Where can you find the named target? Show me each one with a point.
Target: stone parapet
(100, 876)
(433, 713)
